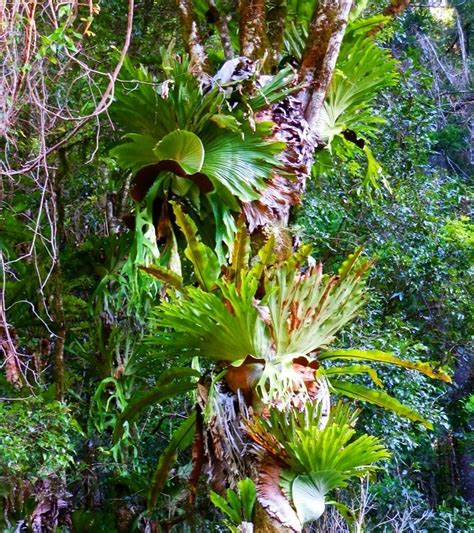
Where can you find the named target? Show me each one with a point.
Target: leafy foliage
(64, 244)
(297, 313)
(37, 439)
(191, 145)
(317, 459)
(238, 507)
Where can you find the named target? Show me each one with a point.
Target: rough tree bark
(252, 29)
(192, 38)
(296, 118)
(320, 55)
(276, 28)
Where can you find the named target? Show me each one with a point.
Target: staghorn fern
(310, 460)
(268, 315)
(194, 144)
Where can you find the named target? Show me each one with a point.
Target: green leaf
(228, 122)
(234, 502)
(202, 324)
(205, 262)
(136, 154)
(363, 70)
(308, 309)
(240, 251)
(165, 275)
(333, 451)
(385, 357)
(354, 370)
(308, 497)
(183, 147)
(266, 256)
(240, 162)
(248, 496)
(222, 504)
(380, 398)
(181, 439)
(280, 85)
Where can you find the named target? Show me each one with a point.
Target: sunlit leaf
(183, 147)
(204, 260)
(380, 398)
(385, 357)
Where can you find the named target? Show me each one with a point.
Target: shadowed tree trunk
(276, 28)
(56, 277)
(464, 447)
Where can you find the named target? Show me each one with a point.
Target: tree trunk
(252, 29)
(56, 277)
(192, 38)
(319, 58)
(226, 447)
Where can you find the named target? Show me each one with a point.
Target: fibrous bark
(296, 117)
(284, 190)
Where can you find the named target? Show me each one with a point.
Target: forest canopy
(237, 250)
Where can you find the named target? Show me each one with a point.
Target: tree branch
(252, 32)
(103, 105)
(396, 8)
(191, 36)
(221, 24)
(320, 55)
(276, 27)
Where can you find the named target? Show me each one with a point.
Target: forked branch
(221, 23)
